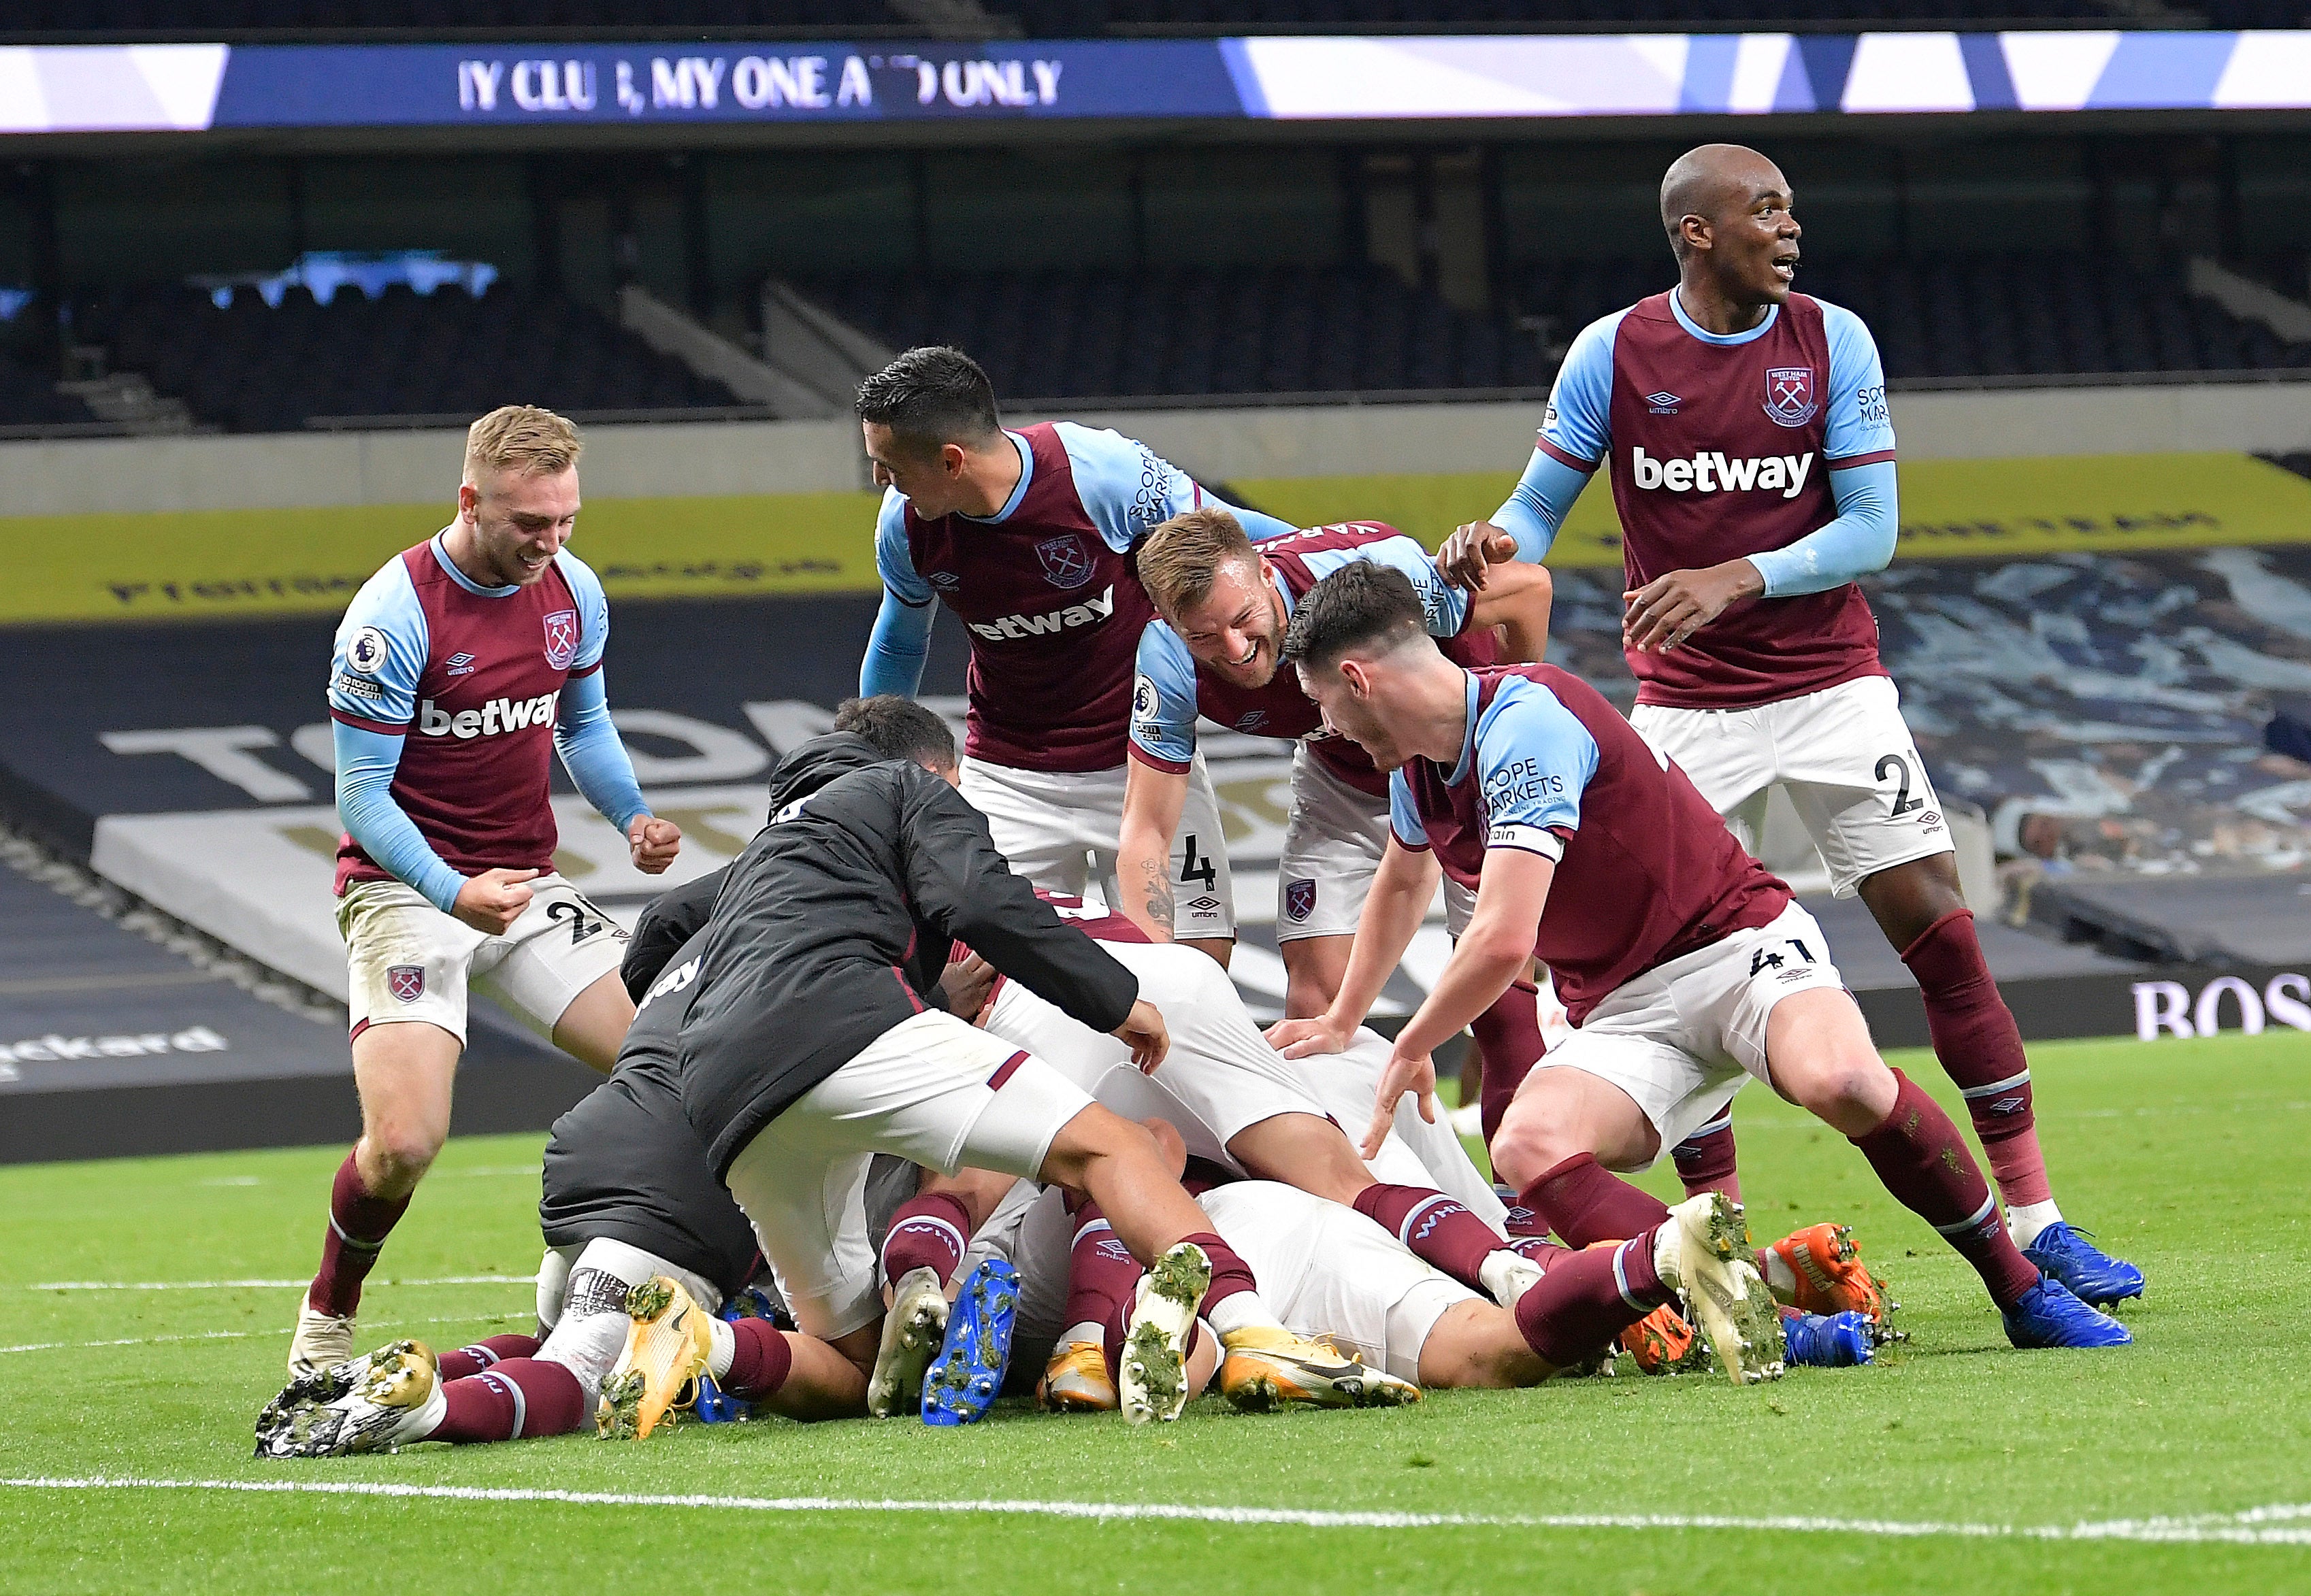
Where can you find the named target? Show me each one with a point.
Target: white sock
(1243, 1311)
(1781, 1280)
(724, 1349)
(1667, 1252)
(2024, 1221)
(1505, 1276)
(1088, 1334)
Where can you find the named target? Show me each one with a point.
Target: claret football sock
(1509, 1041)
(1102, 1278)
(468, 1361)
(518, 1397)
(1704, 1160)
(359, 1224)
(1583, 1202)
(1439, 1229)
(1588, 1298)
(1917, 1151)
(931, 1231)
(761, 1359)
(1980, 1047)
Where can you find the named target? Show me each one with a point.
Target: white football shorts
(1846, 757)
(1059, 829)
(1684, 1037)
(407, 961)
(932, 1090)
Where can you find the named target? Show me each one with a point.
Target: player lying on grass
(1751, 452)
(1685, 966)
(807, 1047)
(1330, 1267)
(1221, 1084)
(460, 670)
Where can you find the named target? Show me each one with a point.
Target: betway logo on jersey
(1708, 471)
(497, 716)
(1090, 612)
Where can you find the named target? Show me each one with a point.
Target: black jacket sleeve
(961, 884)
(671, 919)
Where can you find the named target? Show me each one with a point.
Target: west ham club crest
(562, 638)
(407, 982)
(1299, 900)
(1067, 563)
(1790, 398)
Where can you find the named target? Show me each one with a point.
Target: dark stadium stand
(252, 368)
(1071, 18)
(1285, 330)
(28, 398)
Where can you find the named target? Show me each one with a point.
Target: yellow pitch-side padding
(275, 561)
(1950, 508)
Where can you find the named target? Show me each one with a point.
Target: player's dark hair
(1362, 604)
(899, 728)
(931, 396)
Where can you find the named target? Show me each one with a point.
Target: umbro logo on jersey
(1090, 612)
(460, 665)
(497, 716)
(1708, 471)
(1663, 403)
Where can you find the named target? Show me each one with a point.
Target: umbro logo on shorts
(407, 982)
(1204, 905)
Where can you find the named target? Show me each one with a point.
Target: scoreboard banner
(192, 88)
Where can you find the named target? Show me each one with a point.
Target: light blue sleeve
(1445, 605)
(1164, 700)
(1129, 489)
(1859, 423)
(380, 651)
(1404, 814)
(593, 610)
(1534, 760)
(1860, 539)
(366, 761)
(902, 638)
(1538, 506)
(593, 754)
(1578, 420)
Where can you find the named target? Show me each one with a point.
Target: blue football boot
(1827, 1340)
(713, 1405)
(2048, 1315)
(2092, 1275)
(963, 1382)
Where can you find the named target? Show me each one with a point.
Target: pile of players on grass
(940, 1089)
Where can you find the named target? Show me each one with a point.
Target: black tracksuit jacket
(838, 915)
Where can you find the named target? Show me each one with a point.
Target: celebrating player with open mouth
(1752, 460)
(1027, 536)
(460, 668)
(1686, 967)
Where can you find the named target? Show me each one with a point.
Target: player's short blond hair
(1181, 557)
(522, 438)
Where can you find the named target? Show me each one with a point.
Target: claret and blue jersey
(1171, 692)
(1048, 589)
(1774, 445)
(449, 699)
(1645, 870)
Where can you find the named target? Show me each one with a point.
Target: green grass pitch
(1957, 1463)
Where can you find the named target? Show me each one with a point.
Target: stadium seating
(1286, 330)
(251, 367)
(1956, 317)
(28, 398)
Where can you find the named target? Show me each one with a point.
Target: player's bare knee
(1851, 1089)
(1530, 1142)
(399, 1155)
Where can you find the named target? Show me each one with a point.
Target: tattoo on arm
(1159, 890)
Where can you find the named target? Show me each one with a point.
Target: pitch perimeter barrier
(281, 559)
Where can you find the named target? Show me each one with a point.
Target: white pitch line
(263, 1285)
(2251, 1528)
(242, 1335)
